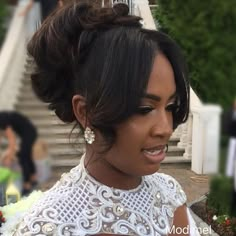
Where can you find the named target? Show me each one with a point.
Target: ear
(79, 108)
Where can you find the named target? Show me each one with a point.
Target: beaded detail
(80, 205)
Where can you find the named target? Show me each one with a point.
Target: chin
(152, 169)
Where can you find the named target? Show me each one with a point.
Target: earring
(166, 148)
(89, 135)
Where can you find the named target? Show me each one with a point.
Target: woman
(126, 88)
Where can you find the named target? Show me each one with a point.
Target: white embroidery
(79, 205)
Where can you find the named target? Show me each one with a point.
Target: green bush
(206, 32)
(220, 195)
(3, 14)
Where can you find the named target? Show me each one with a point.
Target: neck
(108, 175)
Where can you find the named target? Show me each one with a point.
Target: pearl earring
(89, 135)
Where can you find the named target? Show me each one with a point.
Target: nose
(163, 125)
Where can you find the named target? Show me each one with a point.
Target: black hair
(106, 56)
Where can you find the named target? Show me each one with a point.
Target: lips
(154, 154)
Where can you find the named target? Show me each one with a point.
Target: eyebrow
(157, 98)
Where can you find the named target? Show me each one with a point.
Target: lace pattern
(79, 205)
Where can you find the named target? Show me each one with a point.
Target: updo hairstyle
(104, 55)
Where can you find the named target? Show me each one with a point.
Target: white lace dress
(78, 205)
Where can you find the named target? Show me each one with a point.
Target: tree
(206, 32)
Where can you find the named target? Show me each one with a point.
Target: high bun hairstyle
(106, 56)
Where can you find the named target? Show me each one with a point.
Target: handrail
(12, 58)
(13, 54)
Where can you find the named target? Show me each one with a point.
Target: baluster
(177, 132)
(186, 137)
(188, 147)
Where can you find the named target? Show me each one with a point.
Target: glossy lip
(157, 158)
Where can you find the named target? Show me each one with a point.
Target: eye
(172, 107)
(143, 110)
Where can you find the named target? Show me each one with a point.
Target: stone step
(27, 73)
(68, 136)
(27, 88)
(44, 112)
(41, 114)
(44, 117)
(74, 148)
(71, 144)
(72, 141)
(70, 162)
(61, 151)
(51, 124)
(27, 97)
(175, 159)
(26, 82)
(52, 140)
(29, 68)
(53, 147)
(47, 123)
(58, 135)
(62, 130)
(30, 105)
(25, 93)
(65, 162)
(69, 149)
(173, 141)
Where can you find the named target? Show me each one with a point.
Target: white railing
(12, 59)
(13, 56)
(199, 136)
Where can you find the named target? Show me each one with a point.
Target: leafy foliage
(3, 14)
(220, 196)
(206, 32)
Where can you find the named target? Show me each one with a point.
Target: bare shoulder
(180, 221)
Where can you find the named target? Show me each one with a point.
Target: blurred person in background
(14, 123)
(230, 123)
(231, 132)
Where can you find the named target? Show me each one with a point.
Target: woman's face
(141, 140)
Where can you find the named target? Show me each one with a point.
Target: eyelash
(143, 110)
(172, 107)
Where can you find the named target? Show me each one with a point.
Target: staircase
(65, 147)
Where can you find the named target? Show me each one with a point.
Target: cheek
(171, 121)
(132, 135)
(170, 118)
